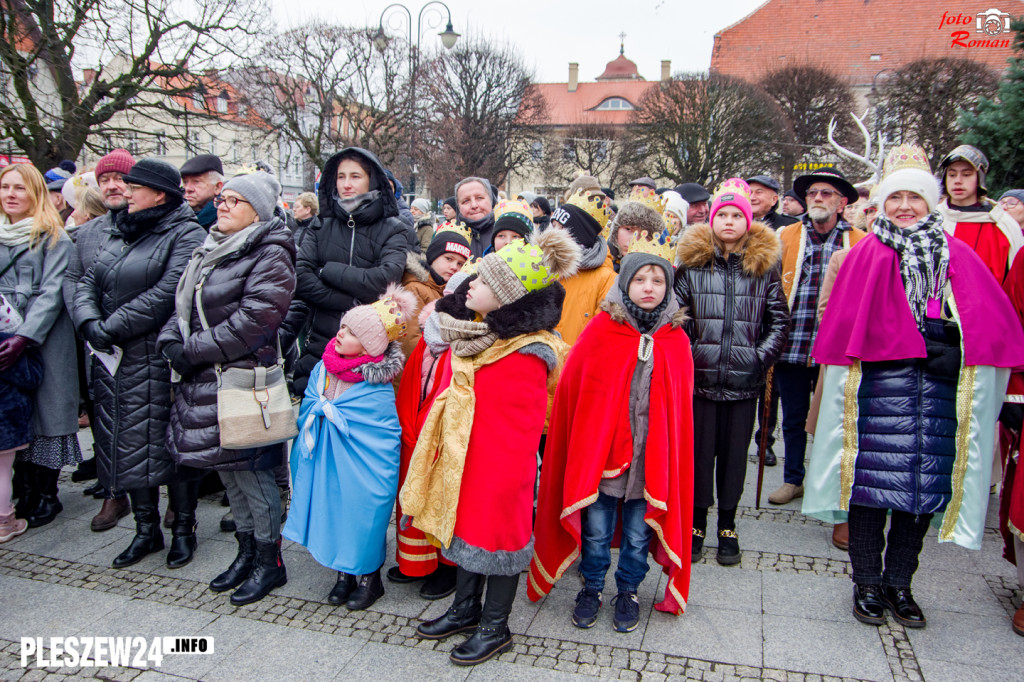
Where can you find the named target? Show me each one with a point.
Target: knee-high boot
(492, 635)
(148, 536)
(184, 498)
(463, 614)
(23, 487)
(47, 505)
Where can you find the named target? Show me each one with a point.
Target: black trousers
(902, 545)
(721, 438)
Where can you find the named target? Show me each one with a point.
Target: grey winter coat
(129, 291)
(245, 298)
(33, 286)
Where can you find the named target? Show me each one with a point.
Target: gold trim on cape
(850, 446)
(964, 414)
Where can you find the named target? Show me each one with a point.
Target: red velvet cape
(590, 436)
(1011, 500)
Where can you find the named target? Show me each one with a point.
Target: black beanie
(447, 241)
(793, 195)
(583, 227)
(543, 204)
(515, 222)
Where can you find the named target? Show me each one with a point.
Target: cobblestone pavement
(782, 614)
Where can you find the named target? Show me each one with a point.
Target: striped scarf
(924, 259)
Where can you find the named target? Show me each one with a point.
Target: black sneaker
(627, 612)
(588, 602)
(728, 548)
(697, 546)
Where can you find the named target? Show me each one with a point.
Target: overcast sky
(552, 34)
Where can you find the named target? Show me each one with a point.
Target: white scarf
(15, 234)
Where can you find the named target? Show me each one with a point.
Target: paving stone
(708, 634)
(848, 648)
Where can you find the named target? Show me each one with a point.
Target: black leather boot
(342, 589)
(492, 636)
(440, 583)
(23, 487)
(184, 498)
(463, 614)
(148, 536)
(240, 568)
(267, 573)
(369, 589)
(47, 505)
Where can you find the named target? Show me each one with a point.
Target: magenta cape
(868, 317)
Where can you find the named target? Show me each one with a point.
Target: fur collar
(385, 371)
(594, 257)
(536, 311)
(618, 313)
(762, 252)
(416, 266)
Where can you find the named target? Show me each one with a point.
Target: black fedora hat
(155, 174)
(828, 174)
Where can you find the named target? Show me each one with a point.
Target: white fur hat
(907, 169)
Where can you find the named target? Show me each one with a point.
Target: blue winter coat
(17, 386)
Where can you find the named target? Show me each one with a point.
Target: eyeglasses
(1009, 202)
(133, 188)
(823, 193)
(870, 209)
(230, 201)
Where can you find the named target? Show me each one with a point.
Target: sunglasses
(823, 193)
(230, 202)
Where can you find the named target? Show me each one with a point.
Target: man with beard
(475, 198)
(89, 238)
(806, 249)
(203, 177)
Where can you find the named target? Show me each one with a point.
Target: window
(233, 154)
(568, 152)
(614, 104)
(601, 151)
(131, 143)
(160, 144)
(537, 151)
(222, 103)
(876, 57)
(192, 144)
(198, 101)
(213, 145)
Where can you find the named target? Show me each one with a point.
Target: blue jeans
(598, 528)
(796, 384)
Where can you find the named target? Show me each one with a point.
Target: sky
(550, 34)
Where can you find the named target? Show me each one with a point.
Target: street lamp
(448, 38)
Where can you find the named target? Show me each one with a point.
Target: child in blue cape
(345, 459)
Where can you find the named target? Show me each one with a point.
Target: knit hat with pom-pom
(523, 267)
(378, 324)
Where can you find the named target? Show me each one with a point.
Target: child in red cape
(621, 435)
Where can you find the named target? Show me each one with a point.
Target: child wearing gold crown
(729, 279)
(470, 483)
(621, 439)
(345, 459)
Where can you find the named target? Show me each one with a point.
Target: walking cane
(762, 447)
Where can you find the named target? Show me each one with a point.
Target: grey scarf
(466, 337)
(215, 249)
(15, 234)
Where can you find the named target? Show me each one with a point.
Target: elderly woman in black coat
(121, 303)
(243, 278)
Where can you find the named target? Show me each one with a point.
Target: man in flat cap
(764, 200)
(203, 178)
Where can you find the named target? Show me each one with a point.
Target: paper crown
(593, 205)
(654, 245)
(394, 313)
(514, 208)
(906, 156)
(471, 266)
(458, 227)
(649, 198)
(733, 186)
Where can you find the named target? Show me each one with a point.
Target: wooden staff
(762, 447)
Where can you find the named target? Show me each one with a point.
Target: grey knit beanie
(260, 189)
(635, 214)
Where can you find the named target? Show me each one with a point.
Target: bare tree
(922, 102)
(603, 151)
(325, 87)
(810, 97)
(136, 53)
(705, 128)
(481, 117)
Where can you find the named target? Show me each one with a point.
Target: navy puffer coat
(907, 431)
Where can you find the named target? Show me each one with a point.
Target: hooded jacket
(245, 298)
(129, 290)
(585, 290)
(349, 260)
(739, 320)
(420, 281)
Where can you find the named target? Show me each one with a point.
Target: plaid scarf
(924, 259)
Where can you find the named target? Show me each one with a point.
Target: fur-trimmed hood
(763, 250)
(416, 266)
(537, 311)
(385, 371)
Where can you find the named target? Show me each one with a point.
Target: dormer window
(222, 103)
(614, 104)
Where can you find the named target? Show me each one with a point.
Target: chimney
(574, 76)
(666, 69)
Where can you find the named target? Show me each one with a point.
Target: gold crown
(471, 266)
(458, 227)
(906, 156)
(657, 245)
(593, 204)
(649, 198)
(392, 317)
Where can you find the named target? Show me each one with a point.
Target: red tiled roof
(620, 68)
(844, 34)
(572, 108)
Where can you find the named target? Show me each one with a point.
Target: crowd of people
(519, 383)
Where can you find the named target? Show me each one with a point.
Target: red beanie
(117, 161)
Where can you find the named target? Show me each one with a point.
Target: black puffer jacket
(245, 298)
(129, 291)
(349, 260)
(739, 320)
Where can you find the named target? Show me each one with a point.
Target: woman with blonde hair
(34, 254)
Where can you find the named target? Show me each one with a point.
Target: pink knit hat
(117, 161)
(733, 192)
(378, 324)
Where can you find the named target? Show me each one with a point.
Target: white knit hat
(907, 169)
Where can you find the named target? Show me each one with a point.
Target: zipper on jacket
(352, 241)
(918, 454)
(730, 314)
(115, 431)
